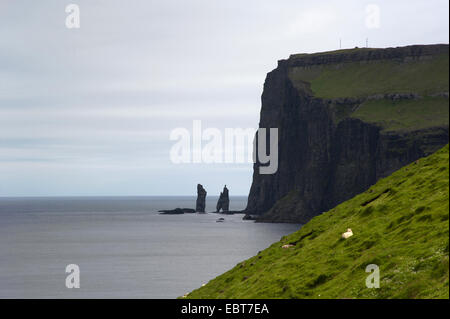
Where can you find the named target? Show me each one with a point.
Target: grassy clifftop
(400, 224)
(381, 77)
(402, 71)
(424, 76)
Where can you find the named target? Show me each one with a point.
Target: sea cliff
(346, 119)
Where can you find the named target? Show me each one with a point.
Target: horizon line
(46, 196)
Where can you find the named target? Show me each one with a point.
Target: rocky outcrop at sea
(201, 199)
(224, 201)
(177, 211)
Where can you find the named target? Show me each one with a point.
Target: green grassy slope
(405, 115)
(423, 77)
(401, 224)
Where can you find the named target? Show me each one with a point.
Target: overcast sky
(89, 111)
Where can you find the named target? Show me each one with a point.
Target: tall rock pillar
(201, 199)
(224, 201)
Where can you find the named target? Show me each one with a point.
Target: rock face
(224, 201)
(325, 157)
(201, 199)
(177, 211)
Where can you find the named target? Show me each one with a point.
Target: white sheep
(347, 234)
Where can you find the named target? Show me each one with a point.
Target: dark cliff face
(324, 161)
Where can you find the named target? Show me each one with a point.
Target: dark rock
(229, 212)
(200, 204)
(224, 201)
(323, 162)
(177, 211)
(201, 199)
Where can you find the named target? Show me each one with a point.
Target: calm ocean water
(123, 247)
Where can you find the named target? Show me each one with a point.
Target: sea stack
(201, 199)
(224, 202)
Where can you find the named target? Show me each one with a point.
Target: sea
(121, 246)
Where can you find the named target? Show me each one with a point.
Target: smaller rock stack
(201, 199)
(224, 201)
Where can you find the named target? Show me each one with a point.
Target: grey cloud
(98, 103)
